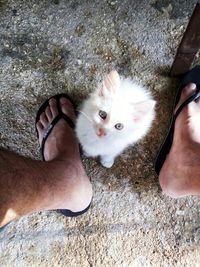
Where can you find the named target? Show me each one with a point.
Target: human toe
(44, 119)
(67, 108)
(53, 107)
(187, 91)
(48, 114)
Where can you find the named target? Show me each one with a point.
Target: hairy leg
(60, 182)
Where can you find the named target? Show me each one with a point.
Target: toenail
(192, 86)
(188, 89)
(63, 100)
(52, 101)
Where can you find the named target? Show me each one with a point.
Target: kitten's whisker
(84, 115)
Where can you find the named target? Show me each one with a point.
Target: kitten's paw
(107, 162)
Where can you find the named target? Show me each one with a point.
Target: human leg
(180, 173)
(59, 182)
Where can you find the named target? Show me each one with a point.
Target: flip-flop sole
(193, 76)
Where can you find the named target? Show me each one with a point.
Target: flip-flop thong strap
(187, 101)
(60, 116)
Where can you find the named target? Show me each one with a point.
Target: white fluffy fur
(124, 102)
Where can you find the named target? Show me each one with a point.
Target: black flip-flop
(193, 76)
(69, 121)
(60, 116)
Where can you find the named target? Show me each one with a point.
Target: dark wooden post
(189, 46)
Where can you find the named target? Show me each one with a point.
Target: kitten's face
(112, 115)
(108, 119)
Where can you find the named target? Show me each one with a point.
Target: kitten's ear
(110, 84)
(142, 108)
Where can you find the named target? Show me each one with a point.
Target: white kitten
(115, 116)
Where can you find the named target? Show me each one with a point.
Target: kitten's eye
(102, 114)
(119, 126)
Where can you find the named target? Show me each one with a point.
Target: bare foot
(62, 138)
(180, 174)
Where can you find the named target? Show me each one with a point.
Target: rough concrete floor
(47, 47)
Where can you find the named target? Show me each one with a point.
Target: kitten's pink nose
(101, 132)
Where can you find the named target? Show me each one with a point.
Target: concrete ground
(48, 47)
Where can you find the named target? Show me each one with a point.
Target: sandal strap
(187, 101)
(60, 116)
